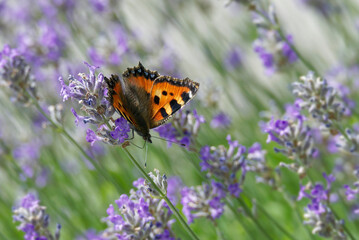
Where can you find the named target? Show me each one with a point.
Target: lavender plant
(34, 221)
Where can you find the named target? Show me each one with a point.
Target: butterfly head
(145, 136)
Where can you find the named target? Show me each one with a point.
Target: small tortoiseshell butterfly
(146, 99)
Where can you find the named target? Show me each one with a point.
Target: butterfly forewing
(168, 95)
(140, 77)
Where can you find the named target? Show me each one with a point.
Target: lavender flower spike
(295, 138)
(89, 90)
(317, 213)
(33, 220)
(203, 201)
(225, 164)
(15, 74)
(139, 216)
(319, 99)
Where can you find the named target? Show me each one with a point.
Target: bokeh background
(211, 42)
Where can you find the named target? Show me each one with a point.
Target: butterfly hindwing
(168, 95)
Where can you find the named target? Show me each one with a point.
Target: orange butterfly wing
(166, 94)
(169, 95)
(140, 77)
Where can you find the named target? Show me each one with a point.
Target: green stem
(218, 231)
(249, 213)
(275, 222)
(163, 196)
(235, 212)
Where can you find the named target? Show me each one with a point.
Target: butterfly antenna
(167, 140)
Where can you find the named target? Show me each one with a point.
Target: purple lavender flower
(233, 59)
(317, 213)
(15, 74)
(27, 157)
(295, 138)
(225, 164)
(266, 57)
(274, 51)
(221, 120)
(319, 99)
(183, 129)
(139, 216)
(287, 51)
(51, 41)
(203, 201)
(174, 188)
(168, 132)
(116, 136)
(95, 57)
(33, 220)
(99, 5)
(90, 91)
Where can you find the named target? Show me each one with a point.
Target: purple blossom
(274, 52)
(95, 57)
(15, 74)
(233, 58)
(91, 136)
(167, 131)
(221, 120)
(138, 215)
(121, 130)
(89, 90)
(266, 57)
(99, 5)
(65, 91)
(174, 188)
(183, 129)
(203, 201)
(225, 164)
(317, 213)
(319, 99)
(295, 138)
(288, 52)
(33, 220)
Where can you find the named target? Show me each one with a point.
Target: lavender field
(268, 148)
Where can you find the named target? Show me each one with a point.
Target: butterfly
(147, 99)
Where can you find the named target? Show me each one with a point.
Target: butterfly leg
(133, 135)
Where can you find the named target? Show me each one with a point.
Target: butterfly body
(147, 99)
